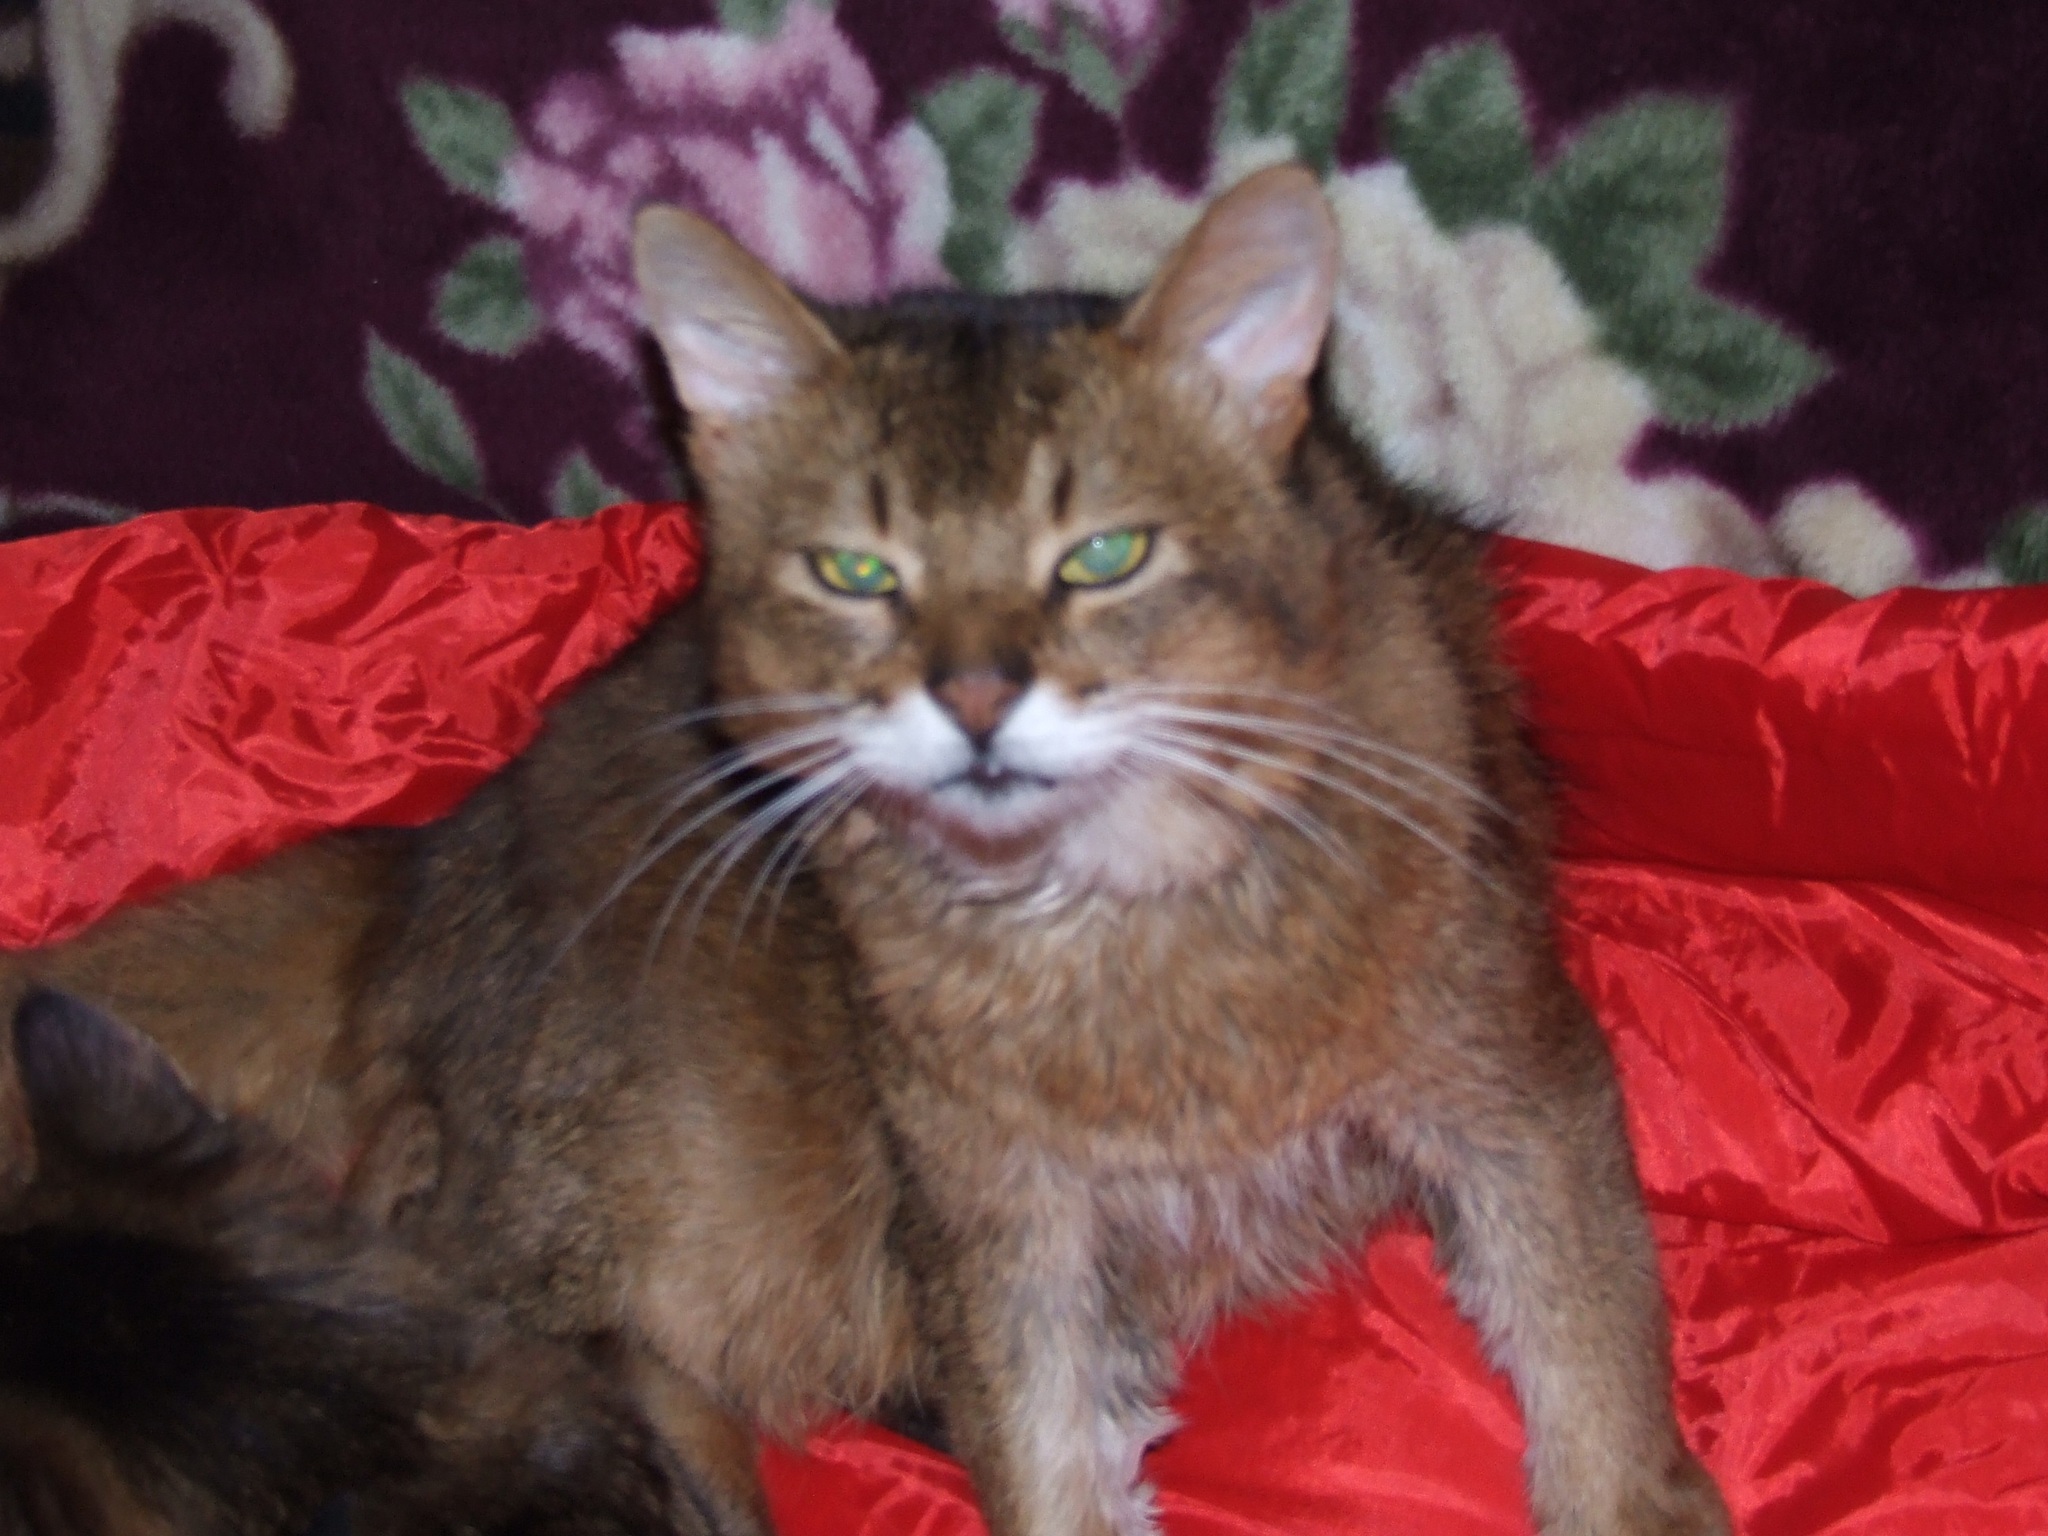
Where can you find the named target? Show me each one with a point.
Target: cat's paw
(1679, 1499)
(1683, 1502)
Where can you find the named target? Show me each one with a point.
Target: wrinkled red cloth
(1804, 883)
(184, 693)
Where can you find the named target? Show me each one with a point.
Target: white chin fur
(1070, 817)
(1145, 837)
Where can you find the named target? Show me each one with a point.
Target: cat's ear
(100, 1090)
(1247, 296)
(736, 339)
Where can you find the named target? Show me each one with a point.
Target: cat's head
(984, 570)
(117, 1129)
(123, 1143)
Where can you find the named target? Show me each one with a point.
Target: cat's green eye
(1105, 559)
(854, 572)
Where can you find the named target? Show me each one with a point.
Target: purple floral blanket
(1762, 283)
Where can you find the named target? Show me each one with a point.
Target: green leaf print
(1713, 365)
(482, 304)
(1079, 59)
(1631, 210)
(1634, 204)
(1458, 124)
(421, 417)
(758, 18)
(985, 123)
(1088, 69)
(2019, 550)
(466, 134)
(1291, 76)
(580, 490)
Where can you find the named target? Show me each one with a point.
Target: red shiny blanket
(1805, 884)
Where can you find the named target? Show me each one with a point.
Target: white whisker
(857, 784)
(1370, 801)
(1287, 733)
(723, 766)
(795, 843)
(644, 857)
(721, 857)
(720, 765)
(1305, 733)
(767, 704)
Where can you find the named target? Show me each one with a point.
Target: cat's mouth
(992, 813)
(993, 781)
(991, 816)
(989, 803)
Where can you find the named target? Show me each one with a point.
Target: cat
(197, 1338)
(1071, 870)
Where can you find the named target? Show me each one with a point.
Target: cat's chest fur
(1126, 1034)
(1194, 1062)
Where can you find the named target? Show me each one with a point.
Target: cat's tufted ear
(101, 1090)
(1247, 297)
(736, 339)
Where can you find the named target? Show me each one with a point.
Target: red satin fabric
(1804, 884)
(184, 693)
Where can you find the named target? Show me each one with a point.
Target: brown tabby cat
(195, 1337)
(1179, 906)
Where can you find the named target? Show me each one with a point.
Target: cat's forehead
(954, 412)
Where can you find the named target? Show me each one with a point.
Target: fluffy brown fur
(1057, 958)
(196, 1337)
(245, 981)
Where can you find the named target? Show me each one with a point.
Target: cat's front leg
(1531, 1189)
(1051, 1387)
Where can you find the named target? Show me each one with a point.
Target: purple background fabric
(202, 341)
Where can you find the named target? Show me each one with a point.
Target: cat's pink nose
(978, 700)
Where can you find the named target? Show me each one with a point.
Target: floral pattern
(397, 269)
(1509, 329)
(1126, 25)
(776, 139)
(1474, 368)
(1101, 46)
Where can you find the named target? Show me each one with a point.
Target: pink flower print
(775, 139)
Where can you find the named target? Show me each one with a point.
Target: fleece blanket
(1761, 283)
(1802, 881)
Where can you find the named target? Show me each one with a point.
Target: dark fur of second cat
(195, 1340)
(1069, 872)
